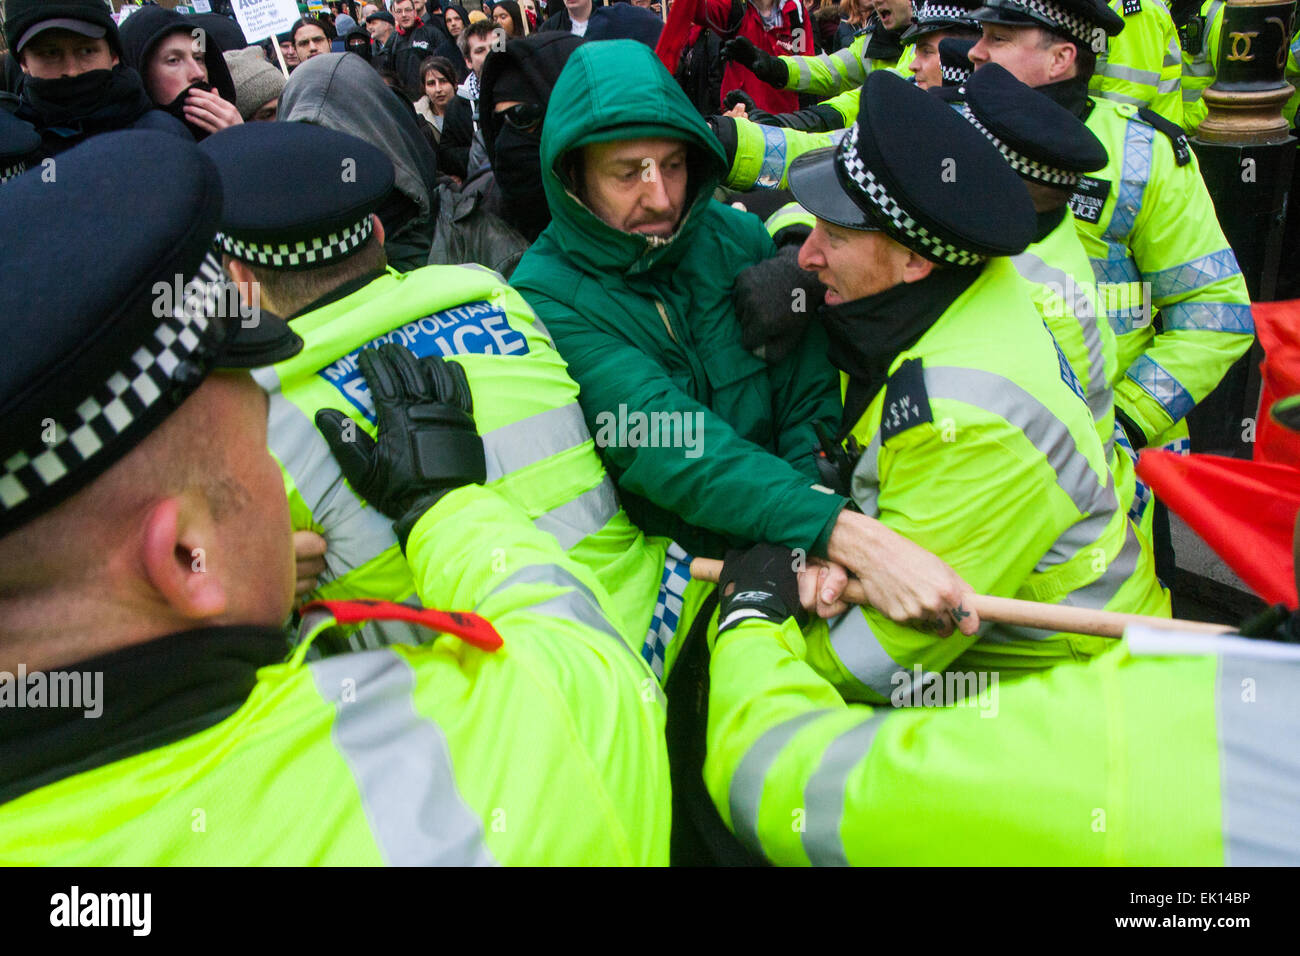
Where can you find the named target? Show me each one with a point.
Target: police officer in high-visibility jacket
(1142, 65)
(540, 454)
(971, 437)
(1166, 275)
(1050, 148)
(1160, 752)
(146, 570)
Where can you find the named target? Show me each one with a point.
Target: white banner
(260, 19)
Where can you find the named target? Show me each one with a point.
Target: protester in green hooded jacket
(634, 278)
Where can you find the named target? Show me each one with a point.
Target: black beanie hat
(526, 70)
(22, 15)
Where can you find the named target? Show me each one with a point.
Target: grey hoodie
(341, 91)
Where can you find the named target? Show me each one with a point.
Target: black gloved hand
(773, 318)
(752, 111)
(766, 67)
(760, 582)
(724, 128)
(427, 443)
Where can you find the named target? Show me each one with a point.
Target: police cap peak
(1088, 22)
(104, 340)
(297, 196)
(914, 168)
(1042, 140)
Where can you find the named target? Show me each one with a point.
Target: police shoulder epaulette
(1132, 7)
(1182, 148)
(907, 403)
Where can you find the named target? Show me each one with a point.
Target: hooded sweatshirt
(342, 92)
(648, 328)
(148, 27)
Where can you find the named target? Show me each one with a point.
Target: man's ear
(242, 276)
(379, 228)
(917, 267)
(1064, 57)
(177, 535)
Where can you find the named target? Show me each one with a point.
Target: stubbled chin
(833, 298)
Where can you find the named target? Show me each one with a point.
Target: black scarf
(883, 44)
(91, 102)
(177, 108)
(867, 334)
(1047, 221)
(1071, 93)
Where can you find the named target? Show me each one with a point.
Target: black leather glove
(724, 128)
(427, 443)
(766, 67)
(773, 318)
(759, 583)
(752, 111)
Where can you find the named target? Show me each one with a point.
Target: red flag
(1244, 510)
(1278, 326)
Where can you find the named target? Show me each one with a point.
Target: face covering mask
(177, 108)
(71, 96)
(518, 165)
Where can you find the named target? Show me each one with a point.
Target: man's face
(57, 53)
(894, 14)
(925, 60)
(454, 23)
(1021, 51)
(438, 89)
(578, 9)
(253, 527)
(479, 48)
(173, 66)
(267, 113)
(290, 54)
(310, 41)
(404, 13)
(637, 185)
(852, 263)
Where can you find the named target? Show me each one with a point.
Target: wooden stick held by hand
(1047, 617)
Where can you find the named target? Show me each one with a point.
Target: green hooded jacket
(707, 443)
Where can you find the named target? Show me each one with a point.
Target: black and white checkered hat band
(1022, 164)
(10, 172)
(954, 75)
(150, 374)
(929, 14)
(305, 254)
(889, 209)
(1076, 26)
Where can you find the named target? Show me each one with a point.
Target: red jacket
(794, 37)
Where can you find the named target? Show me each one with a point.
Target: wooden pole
(1047, 617)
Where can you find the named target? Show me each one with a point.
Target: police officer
(976, 444)
(1143, 64)
(318, 193)
(1188, 770)
(145, 560)
(1148, 225)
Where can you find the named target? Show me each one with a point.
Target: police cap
(94, 362)
(1088, 22)
(1043, 141)
(297, 196)
(914, 168)
(931, 16)
(954, 61)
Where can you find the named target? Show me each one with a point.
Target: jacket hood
(533, 62)
(149, 25)
(343, 92)
(612, 90)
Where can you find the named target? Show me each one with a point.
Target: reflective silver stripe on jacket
(745, 794)
(525, 442)
(862, 654)
(1259, 748)
(824, 793)
(400, 762)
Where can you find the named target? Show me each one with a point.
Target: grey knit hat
(257, 82)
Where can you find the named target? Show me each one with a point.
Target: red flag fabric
(1278, 326)
(682, 15)
(1244, 510)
